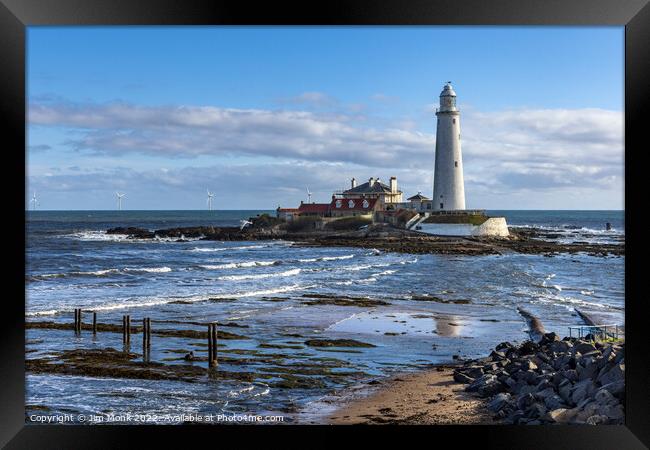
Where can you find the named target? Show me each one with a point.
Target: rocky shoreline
(384, 238)
(554, 381)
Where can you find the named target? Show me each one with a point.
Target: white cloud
(505, 152)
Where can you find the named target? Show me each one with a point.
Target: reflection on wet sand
(449, 326)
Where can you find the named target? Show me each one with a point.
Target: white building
(448, 183)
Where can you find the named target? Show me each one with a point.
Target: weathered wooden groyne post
(77, 321)
(126, 329)
(146, 338)
(148, 333)
(94, 323)
(212, 345)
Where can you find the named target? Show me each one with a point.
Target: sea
(265, 292)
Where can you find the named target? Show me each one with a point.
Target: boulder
(554, 401)
(529, 377)
(595, 354)
(490, 389)
(561, 415)
(528, 348)
(590, 371)
(616, 373)
(524, 401)
(604, 397)
(535, 411)
(503, 346)
(460, 377)
(499, 401)
(472, 371)
(597, 420)
(486, 386)
(528, 365)
(541, 395)
(587, 410)
(584, 347)
(615, 413)
(617, 389)
(564, 390)
(549, 337)
(620, 355)
(570, 374)
(581, 390)
(541, 357)
(544, 386)
(560, 346)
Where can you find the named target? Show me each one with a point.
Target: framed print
(287, 219)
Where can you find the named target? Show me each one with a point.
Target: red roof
(353, 204)
(314, 208)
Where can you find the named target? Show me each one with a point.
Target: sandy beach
(430, 397)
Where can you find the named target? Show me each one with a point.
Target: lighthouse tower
(448, 184)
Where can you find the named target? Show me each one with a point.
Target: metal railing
(595, 332)
(458, 212)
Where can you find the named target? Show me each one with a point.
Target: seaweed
(337, 343)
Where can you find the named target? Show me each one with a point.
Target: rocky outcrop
(566, 381)
(379, 236)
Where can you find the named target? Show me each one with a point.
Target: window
(459, 136)
(441, 206)
(428, 205)
(455, 163)
(453, 120)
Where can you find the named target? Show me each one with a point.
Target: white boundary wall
(494, 226)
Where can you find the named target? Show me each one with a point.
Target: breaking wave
(326, 258)
(223, 249)
(100, 273)
(286, 273)
(153, 301)
(238, 265)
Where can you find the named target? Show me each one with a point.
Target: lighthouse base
(492, 227)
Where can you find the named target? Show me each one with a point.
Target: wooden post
(94, 322)
(213, 343)
(123, 329)
(77, 321)
(144, 335)
(210, 345)
(128, 329)
(149, 332)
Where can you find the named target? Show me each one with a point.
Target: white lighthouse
(448, 184)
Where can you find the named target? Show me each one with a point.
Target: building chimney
(354, 183)
(371, 181)
(393, 185)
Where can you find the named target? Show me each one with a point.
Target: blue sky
(257, 114)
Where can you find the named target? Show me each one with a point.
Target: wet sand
(431, 397)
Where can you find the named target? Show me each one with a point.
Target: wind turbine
(210, 195)
(308, 195)
(34, 201)
(119, 200)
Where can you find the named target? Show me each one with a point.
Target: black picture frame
(16, 15)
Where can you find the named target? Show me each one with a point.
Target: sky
(258, 115)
